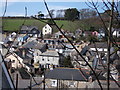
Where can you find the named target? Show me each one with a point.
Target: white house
(17, 62)
(47, 59)
(116, 33)
(46, 30)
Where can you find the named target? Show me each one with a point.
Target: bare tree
(110, 39)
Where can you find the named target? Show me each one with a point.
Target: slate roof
(23, 73)
(4, 50)
(50, 53)
(34, 45)
(99, 45)
(28, 56)
(67, 74)
(28, 27)
(84, 50)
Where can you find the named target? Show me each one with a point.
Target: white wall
(99, 49)
(36, 55)
(116, 33)
(46, 30)
(43, 60)
(16, 63)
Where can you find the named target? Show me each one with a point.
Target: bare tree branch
(109, 46)
(5, 9)
(73, 46)
(17, 33)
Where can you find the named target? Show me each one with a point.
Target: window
(71, 84)
(48, 60)
(34, 31)
(49, 41)
(45, 30)
(54, 83)
(119, 32)
(37, 54)
(42, 59)
(13, 61)
(44, 41)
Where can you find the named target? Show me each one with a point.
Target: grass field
(14, 24)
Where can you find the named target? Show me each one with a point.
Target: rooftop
(99, 45)
(28, 27)
(67, 74)
(50, 53)
(34, 45)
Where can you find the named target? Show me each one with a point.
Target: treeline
(31, 18)
(71, 14)
(15, 17)
(11, 17)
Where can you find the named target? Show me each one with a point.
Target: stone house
(48, 59)
(54, 44)
(78, 33)
(30, 30)
(17, 62)
(59, 35)
(66, 78)
(86, 54)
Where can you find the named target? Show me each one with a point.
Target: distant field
(14, 24)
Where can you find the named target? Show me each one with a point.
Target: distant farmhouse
(46, 30)
(30, 30)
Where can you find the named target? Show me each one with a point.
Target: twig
(17, 33)
(5, 9)
(109, 46)
(73, 46)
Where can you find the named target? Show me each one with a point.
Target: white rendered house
(46, 30)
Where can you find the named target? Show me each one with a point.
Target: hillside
(11, 24)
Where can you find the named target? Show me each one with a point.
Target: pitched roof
(28, 55)
(4, 50)
(34, 45)
(23, 73)
(50, 53)
(84, 50)
(67, 74)
(28, 27)
(99, 45)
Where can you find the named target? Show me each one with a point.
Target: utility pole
(109, 45)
